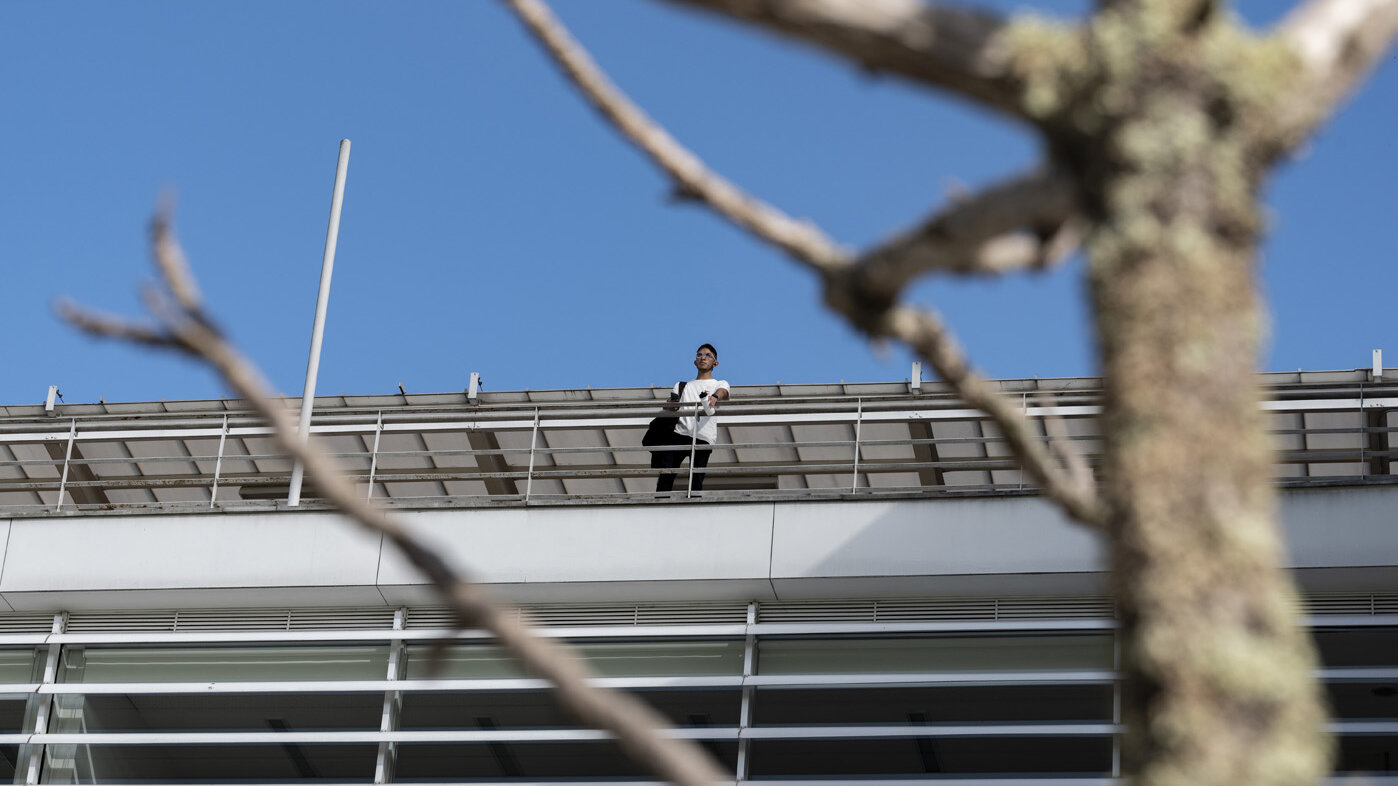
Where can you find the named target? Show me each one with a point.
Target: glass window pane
(1357, 646)
(610, 659)
(538, 709)
(919, 757)
(14, 709)
(21, 666)
(526, 760)
(224, 664)
(217, 712)
(208, 763)
(916, 705)
(1368, 700)
(940, 653)
(1376, 754)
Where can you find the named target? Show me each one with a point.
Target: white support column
(327, 266)
(392, 703)
(740, 772)
(45, 701)
(1116, 703)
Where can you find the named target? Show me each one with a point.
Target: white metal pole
(327, 266)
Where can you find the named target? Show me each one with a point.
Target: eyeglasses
(704, 354)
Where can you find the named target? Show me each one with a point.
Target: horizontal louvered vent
(119, 621)
(827, 611)
(167, 621)
(932, 610)
(341, 619)
(233, 619)
(1033, 608)
(429, 618)
(571, 616)
(1351, 603)
(26, 623)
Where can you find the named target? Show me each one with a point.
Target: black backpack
(661, 427)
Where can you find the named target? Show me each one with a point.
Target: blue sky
(493, 224)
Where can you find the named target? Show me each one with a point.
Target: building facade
(865, 590)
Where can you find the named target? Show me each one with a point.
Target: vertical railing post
(67, 457)
(529, 474)
(1363, 433)
(218, 463)
(374, 456)
(693, 443)
(858, 421)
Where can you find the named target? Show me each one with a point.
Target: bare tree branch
(110, 326)
(983, 219)
(800, 239)
(1024, 223)
(1340, 42)
(637, 728)
(956, 49)
(170, 260)
(925, 332)
(1061, 445)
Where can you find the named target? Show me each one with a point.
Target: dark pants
(670, 459)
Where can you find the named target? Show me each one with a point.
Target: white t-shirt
(694, 389)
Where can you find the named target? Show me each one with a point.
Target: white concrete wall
(1340, 539)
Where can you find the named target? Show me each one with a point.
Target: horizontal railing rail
(571, 452)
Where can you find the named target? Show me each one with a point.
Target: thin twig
(170, 259)
(1025, 223)
(111, 326)
(637, 728)
(925, 332)
(878, 316)
(800, 239)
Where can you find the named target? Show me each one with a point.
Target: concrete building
(867, 589)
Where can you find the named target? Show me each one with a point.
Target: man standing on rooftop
(696, 429)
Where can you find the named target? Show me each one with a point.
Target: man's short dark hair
(709, 347)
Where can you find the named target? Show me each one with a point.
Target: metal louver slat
(232, 619)
(430, 618)
(823, 611)
(1041, 608)
(950, 609)
(692, 614)
(579, 616)
(121, 621)
(341, 619)
(1351, 603)
(26, 623)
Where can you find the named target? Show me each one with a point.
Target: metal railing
(589, 453)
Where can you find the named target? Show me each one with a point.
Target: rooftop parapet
(809, 441)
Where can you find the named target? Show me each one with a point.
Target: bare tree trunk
(1217, 674)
